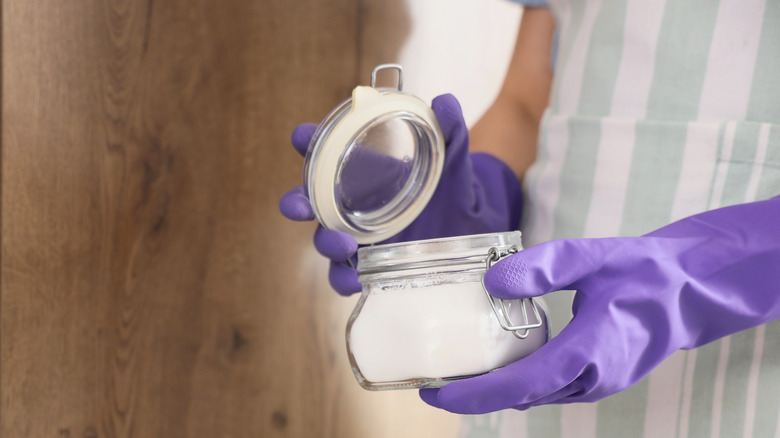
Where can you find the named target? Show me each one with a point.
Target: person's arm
(639, 299)
(509, 128)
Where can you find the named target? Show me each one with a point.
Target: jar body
(424, 319)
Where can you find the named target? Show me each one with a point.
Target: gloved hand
(638, 300)
(477, 193)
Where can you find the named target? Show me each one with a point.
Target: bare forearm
(509, 133)
(509, 129)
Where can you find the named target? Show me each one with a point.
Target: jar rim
(448, 251)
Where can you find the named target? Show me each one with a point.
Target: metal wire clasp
(520, 331)
(381, 67)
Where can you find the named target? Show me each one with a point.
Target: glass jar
(424, 317)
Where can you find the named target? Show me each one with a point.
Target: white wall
(460, 47)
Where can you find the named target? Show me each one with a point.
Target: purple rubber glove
(477, 193)
(639, 299)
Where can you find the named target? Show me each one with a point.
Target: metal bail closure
(381, 67)
(520, 331)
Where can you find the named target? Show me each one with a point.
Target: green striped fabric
(659, 110)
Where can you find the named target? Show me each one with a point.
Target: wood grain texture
(148, 285)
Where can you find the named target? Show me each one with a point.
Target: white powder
(438, 331)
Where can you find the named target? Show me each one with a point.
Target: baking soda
(445, 330)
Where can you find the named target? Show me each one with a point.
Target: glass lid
(374, 162)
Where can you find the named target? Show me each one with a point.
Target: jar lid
(374, 162)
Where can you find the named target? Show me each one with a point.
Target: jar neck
(461, 254)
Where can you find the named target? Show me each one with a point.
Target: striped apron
(659, 110)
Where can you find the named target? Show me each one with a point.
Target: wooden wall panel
(148, 285)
